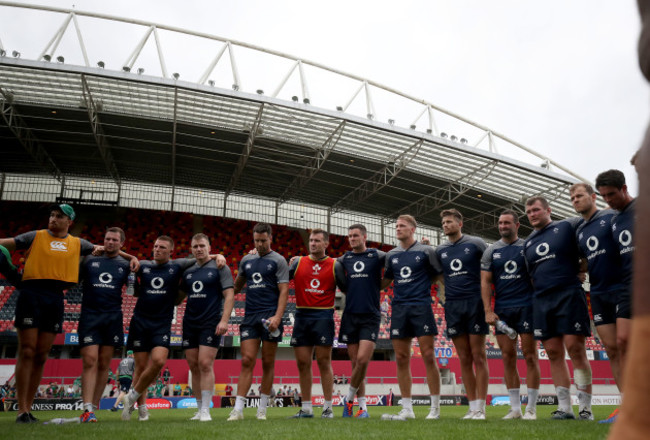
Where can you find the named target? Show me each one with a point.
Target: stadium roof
(66, 120)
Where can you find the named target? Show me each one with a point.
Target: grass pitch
(174, 424)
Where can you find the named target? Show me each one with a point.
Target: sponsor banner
(493, 353)
(157, 403)
(612, 399)
(188, 402)
(176, 340)
(73, 338)
(373, 400)
(254, 401)
(500, 400)
(48, 405)
(453, 400)
(601, 355)
(544, 399)
(543, 356)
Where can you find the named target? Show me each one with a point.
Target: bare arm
(9, 243)
(228, 304)
(240, 281)
(385, 282)
(582, 272)
(275, 320)
(486, 296)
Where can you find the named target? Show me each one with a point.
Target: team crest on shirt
(467, 251)
(395, 260)
(476, 327)
(210, 274)
(95, 264)
(171, 271)
(417, 258)
(556, 230)
(316, 268)
(248, 266)
(526, 325)
(209, 339)
(116, 338)
(369, 255)
(443, 255)
(269, 267)
(425, 327)
(189, 276)
(120, 270)
(165, 338)
(146, 270)
(603, 223)
(577, 326)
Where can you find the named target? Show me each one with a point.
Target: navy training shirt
(598, 246)
(461, 264)
(552, 256)
(263, 274)
(412, 270)
(103, 279)
(360, 273)
(510, 277)
(623, 232)
(204, 286)
(159, 288)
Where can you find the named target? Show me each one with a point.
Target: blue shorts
(313, 327)
(465, 317)
(624, 304)
(125, 383)
(194, 335)
(603, 307)
(145, 334)
(358, 326)
(560, 313)
(252, 328)
(39, 308)
(101, 328)
(518, 318)
(412, 320)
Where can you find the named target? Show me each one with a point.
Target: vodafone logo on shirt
(58, 246)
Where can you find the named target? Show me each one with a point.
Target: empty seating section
(230, 237)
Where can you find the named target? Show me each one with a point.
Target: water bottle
(392, 417)
(130, 284)
(61, 421)
(275, 333)
(503, 328)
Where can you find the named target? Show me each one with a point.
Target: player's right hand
(491, 317)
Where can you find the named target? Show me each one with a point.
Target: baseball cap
(65, 209)
(130, 352)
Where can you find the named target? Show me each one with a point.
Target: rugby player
(51, 266)
(124, 375)
(504, 266)
(560, 314)
(412, 266)
(204, 323)
(100, 325)
(266, 276)
(612, 187)
(359, 272)
(313, 332)
(150, 327)
(460, 259)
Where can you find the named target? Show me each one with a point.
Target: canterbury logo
(59, 246)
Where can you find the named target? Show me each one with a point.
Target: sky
(560, 77)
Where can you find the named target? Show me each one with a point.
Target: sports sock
(134, 394)
(435, 401)
(532, 398)
(407, 403)
(473, 405)
(199, 404)
(264, 401)
(584, 401)
(480, 405)
(327, 404)
(239, 403)
(88, 407)
(351, 392)
(564, 399)
(515, 401)
(362, 403)
(206, 398)
(306, 407)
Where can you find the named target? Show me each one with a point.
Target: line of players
(536, 282)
